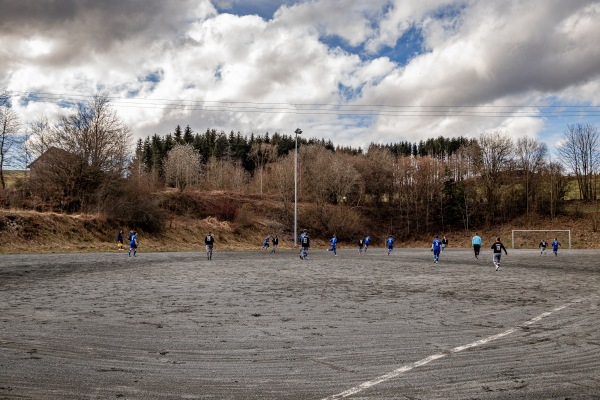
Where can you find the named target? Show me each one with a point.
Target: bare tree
(96, 134)
(224, 175)
(580, 152)
(182, 166)
(531, 157)
(88, 147)
(262, 153)
(494, 158)
(282, 180)
(40, 137)
(9, 126)
(376, 169)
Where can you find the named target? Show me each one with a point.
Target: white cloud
(480, 54)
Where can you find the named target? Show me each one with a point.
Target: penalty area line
(397, 372)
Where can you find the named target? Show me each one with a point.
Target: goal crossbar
(540, 230)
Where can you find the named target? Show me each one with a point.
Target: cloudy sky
(352, 71)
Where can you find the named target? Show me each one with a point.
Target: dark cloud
(93, 24)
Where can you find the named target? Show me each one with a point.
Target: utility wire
(347, 110)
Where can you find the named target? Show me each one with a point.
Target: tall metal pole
(297, 132)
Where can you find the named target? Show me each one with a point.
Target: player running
(367, 242)
(543, 245)
(133, 244)
(209, 241)
(275, 243)
(333, 242)
(555, 245)
(444, 243)
(436, 247)
(266, 243)
(390, 244)
(361, 245)
(498, 247)
(476, 244)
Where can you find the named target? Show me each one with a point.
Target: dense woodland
(405, 188)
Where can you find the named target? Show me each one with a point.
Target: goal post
(530, 238)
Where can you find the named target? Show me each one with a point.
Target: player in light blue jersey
(390, 243)
(555, 244)
(436, 247)
(333, 242)
(476, 244)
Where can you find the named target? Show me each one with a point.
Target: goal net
(531, 238)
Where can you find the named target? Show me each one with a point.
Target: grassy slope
(33, 232)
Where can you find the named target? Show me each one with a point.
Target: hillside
(242, 222)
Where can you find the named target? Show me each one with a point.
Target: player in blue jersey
(390, 243)
(476, 244)
(436, 247)
(266, 243)
(555, 244)
(367, 242)
(133, 244)
(333, 242)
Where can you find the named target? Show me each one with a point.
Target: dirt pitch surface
(252, 325)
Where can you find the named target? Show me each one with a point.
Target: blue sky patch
(411, 44)
(263, 8)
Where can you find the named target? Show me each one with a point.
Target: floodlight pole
(297, 132)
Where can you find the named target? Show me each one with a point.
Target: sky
(351, 71)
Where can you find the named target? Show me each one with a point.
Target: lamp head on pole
(298, 131)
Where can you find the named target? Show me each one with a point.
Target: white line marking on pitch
(397, 372)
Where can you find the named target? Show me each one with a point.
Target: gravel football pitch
(252, 325)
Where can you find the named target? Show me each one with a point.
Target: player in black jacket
(498, 247)
(305, 243)
(209, 241)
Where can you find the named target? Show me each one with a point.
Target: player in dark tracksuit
(275, 243)
(543, 245)
(361, 245)
(209, 241)
(498, 247)
(305, 243)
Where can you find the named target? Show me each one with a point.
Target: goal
(531, 238)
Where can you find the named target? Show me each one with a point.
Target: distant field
(11, 177)
(252, 325)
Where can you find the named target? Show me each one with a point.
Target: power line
(347, 110)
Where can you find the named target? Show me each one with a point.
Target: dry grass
(255, 217)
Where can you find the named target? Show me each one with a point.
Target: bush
(127, 204)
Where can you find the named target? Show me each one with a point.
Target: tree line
(83, 162)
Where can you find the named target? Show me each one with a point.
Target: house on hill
(49, 159)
